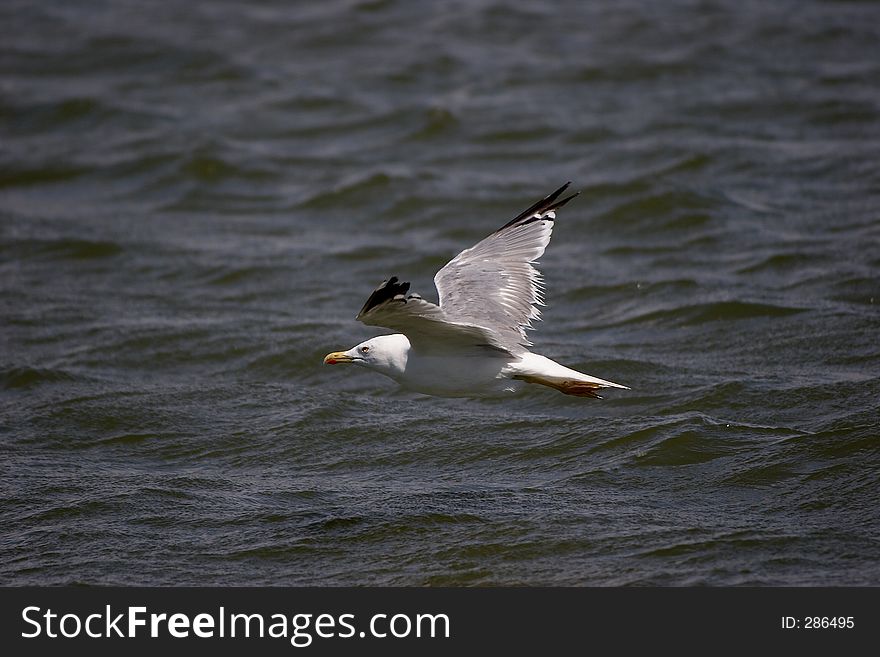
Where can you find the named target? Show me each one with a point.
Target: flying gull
(473, 343)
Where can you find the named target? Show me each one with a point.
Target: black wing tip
(559, 191)
(389, 289)
(541, 208)
(549, 202)
(559, 204)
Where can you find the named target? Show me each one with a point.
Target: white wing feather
(488, 293)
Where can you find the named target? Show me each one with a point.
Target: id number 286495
(818, 622)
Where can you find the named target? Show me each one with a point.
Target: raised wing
(425, 324)
(493, 284)
(488, 293)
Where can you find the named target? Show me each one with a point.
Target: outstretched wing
(488, 293)
(425, 324)
(493, 284)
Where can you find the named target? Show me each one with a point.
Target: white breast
(455, 376)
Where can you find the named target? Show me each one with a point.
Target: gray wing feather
(493, 283)
(428, 327)
(488, 293)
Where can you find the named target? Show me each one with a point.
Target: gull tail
(533, 368)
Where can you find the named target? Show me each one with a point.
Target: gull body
(462, 376)
(473, 343)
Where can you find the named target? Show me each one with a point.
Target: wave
(703, 313)
(67, 248)
(23, 377)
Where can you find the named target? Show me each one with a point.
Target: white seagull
(473, 343)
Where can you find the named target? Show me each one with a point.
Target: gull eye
(364, 350)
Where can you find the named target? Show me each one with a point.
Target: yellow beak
(337, 357)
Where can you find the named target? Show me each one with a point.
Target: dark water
(196, 198)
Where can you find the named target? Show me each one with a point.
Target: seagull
(473, 343)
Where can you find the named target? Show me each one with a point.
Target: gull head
(386, 354)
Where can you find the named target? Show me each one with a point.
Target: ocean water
(196, 198)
